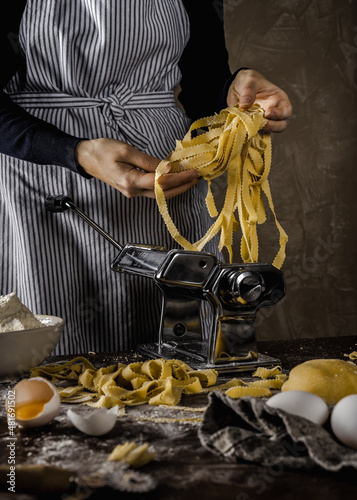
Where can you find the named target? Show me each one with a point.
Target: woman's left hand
(249, 86)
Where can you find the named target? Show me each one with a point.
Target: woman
(88, 110)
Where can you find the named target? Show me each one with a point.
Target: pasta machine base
(160, 351)
(208, 308)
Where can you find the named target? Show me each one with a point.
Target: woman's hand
(117, 163)
(249, 87)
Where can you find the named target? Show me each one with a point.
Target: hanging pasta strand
(231, 144)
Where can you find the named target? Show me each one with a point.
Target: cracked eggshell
(96, 423)
(37, 402)
(301, 403)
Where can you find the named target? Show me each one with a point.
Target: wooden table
(182, 469)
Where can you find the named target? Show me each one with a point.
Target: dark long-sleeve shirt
(203, 64)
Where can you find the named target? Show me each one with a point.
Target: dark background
(308, 48)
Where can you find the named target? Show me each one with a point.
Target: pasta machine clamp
(209, 308)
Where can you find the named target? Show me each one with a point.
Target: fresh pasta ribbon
(264, 373)
(156, 381)
(66, 371)
(231, 145)
(352, 355)
(271, 383)
(240, 392)
(131, 453)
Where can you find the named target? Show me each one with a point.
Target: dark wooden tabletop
(182, 468)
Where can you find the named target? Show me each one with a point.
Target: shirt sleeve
(204, 62)
(22, 135)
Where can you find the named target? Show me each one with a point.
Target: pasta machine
(209, 308)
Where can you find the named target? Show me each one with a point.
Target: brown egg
(37, 402)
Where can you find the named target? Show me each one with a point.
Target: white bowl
(24, 349)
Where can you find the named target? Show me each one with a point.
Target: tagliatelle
(168, 420)
(265, 373)
(134, 455)
(232, 144)
(156, 381)
(240, 392)
(65, 371)
(270, 383)
(351, 355)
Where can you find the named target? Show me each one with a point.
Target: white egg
(37, 402)
(344, 420)
(301, 403)
(95, 423)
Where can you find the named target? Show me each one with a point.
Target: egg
(301, 403)
(37, 402)
(96, 423)
(344, 420)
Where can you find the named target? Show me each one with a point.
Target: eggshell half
(344, 421)
(32, 393)
(301, 403)
(96, 423)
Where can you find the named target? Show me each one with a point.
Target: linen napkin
(248, 429)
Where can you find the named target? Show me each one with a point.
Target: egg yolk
(29, 410)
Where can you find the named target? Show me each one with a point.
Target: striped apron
(94, 69)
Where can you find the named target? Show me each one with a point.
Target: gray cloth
(249, 430)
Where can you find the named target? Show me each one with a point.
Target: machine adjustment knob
(242, 287)
(248, 285)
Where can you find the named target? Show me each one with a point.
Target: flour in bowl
(16, 316)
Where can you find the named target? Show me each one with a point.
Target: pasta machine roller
(209, 308)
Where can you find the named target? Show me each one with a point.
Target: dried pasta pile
(232, 144)
(156, 382)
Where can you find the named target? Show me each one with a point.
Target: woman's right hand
(129, 170)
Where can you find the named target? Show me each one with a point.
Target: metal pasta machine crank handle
(208, 307)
